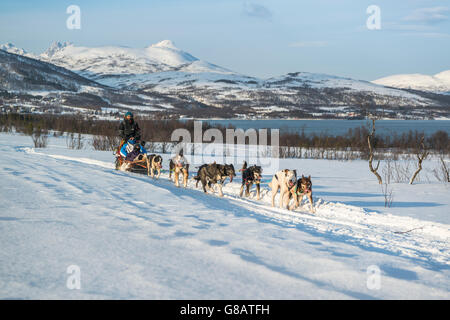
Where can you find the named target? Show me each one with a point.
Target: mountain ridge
(439, 82)
(163, 75)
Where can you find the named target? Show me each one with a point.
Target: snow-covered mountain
(323, 81)
(297, 94)
(162, 74)
(112, 61)
(20, 73)
(437, 83)
(11, 48)
(163, 65)
(33, 83)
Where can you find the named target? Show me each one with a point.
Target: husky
(178, 165)
(303, 187)
(251, 175)
(155, 164)
(283, 180)
(214, 173)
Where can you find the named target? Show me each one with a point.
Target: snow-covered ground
(133, 237)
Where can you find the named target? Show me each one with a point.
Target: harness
(249, 179)
(182, 166)
(298, 192)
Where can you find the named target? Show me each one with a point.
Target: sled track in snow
(424, 241)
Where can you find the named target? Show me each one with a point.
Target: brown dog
(303, 187)
(178, 168)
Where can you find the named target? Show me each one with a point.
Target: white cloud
(421, 22)
(396, 26)
(257, 11)
(428, 15)
(436, 35)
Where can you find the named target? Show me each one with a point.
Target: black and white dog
(283, 180)
(251, 175)
(155, 163)
(213, 173)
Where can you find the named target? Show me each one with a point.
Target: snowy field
(136, 238)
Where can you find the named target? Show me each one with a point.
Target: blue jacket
(128, 147)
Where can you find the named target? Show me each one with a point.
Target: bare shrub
(387, 171)
(401, 171)
(441, 172)
(74, 143)
(40, 138)
(388, 194)
(105, 143)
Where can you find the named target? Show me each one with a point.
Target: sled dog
(214, 173)
(303, 187)
(177, 169)
(251, 175)
(283, 180)
(155, 162)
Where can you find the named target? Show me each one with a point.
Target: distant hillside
(165, 81)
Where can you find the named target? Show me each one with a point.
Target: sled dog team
(131, 154)
(285, 181)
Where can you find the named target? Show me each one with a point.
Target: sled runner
(138, 166)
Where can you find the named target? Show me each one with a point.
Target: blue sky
(261, 38)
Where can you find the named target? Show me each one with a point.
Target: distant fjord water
(337, 127)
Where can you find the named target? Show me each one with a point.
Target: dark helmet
(128, 114)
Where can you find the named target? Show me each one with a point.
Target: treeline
(351, 145)
(105, 133)
(354, 144)
(152, 130)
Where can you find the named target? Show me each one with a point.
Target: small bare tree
(74, 143)
(421, 154)
(387, 171)
(388, 194)
(39, 137)
(370, 140)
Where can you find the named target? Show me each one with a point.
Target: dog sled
(138, 166)
(148, 164)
